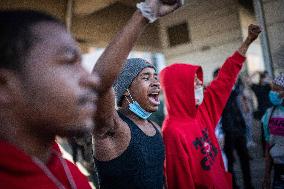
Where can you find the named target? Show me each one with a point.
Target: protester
(248, 106)
(261, 91)
(234, 127)
(82, 152)
(273, 124)
(221, 141)
(77, 145)
(220, 133)
(44, 92)
(193, 158)
(129, 150)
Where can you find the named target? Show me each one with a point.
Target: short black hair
(16, 37)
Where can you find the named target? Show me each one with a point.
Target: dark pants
(238, 143)
(278, 181)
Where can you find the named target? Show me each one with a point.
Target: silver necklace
(51, 176)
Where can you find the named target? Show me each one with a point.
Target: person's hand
(253, 32)
(161, 9)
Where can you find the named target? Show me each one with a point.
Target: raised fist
(253, 32)
(161, 8)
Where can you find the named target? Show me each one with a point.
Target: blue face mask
(137, 109)
(275, 98)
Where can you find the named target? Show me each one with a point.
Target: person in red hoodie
(193, 158)
(44, 92)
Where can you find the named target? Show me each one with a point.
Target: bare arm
(218, 92)
(253, 32)
(108, 67)
(110, 63)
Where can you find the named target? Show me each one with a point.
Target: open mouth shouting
(153, 97)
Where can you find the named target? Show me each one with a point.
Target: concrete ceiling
(98, 28)
(95, 22)
(92, 22)
(83, 7)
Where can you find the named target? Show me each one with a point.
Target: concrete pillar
(272, 13)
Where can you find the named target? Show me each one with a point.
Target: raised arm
(111, 61)
(218, 92)
(253, 32)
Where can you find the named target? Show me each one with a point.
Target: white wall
(212, 23)
(254, 55)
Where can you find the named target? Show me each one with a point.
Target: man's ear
(7, 85)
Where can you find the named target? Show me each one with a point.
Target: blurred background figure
(234, 127)
(220, 133)
(77, 146)
(261, 90)
(221, 140)
(248, 104)
(81, 151)
(273, 124)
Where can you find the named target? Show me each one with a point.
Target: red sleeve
(218, 92)
(177, 170)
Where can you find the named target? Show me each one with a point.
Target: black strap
(273, 108)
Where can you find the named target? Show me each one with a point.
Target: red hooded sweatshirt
(193, 156)
(18, 171)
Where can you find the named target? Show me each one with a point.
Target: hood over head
(177, 81)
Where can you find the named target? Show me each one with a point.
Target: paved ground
(257, 170)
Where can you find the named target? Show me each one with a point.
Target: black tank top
(140, 166)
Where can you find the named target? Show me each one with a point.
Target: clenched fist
(253, 32)
(161, 9)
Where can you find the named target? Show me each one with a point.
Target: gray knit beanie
(130, 70)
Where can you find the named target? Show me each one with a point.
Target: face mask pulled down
(137, 109)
